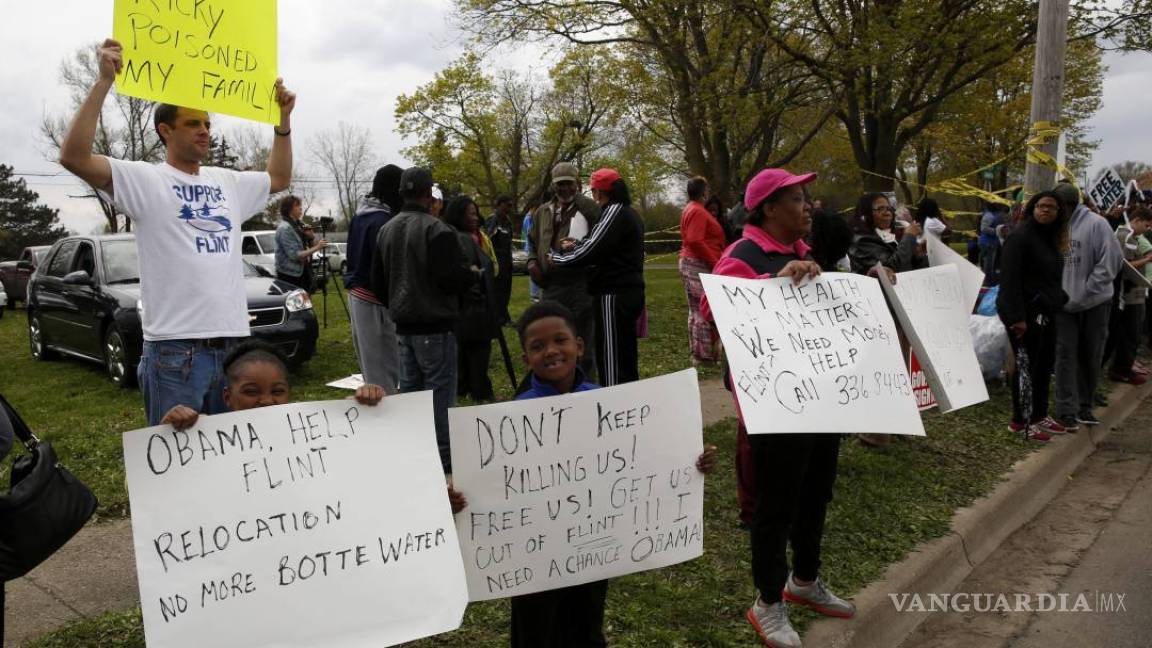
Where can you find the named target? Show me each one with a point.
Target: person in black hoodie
(615, 250)
(373, 332)
(1031, 293)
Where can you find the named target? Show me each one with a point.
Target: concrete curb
(978, 530)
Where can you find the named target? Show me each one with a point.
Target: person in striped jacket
(614, 251)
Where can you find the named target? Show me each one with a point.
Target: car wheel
(36, 339)
(343, 267)
(120, 369)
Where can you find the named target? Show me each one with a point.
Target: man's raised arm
(76, 150)
(280, 158)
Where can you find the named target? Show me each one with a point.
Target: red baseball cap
(768, 181)
(602, 179)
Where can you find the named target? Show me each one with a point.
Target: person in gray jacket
(1089, 269)
(419, 274)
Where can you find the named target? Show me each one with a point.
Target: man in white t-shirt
(187, 221)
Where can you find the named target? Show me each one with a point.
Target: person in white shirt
(187, 221)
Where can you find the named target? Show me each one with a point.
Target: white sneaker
(771, 623)
(817, 597)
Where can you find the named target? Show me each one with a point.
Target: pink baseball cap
(602, 179)
(768, 181)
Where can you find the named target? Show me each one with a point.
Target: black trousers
(795, 474)
(1127, 332)
(617, 355)
(1039, 342)
(570, 617)
(472, 379)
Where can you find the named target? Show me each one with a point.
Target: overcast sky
(349, 60)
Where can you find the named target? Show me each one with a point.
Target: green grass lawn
(887, 501)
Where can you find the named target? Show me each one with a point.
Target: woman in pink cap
(790, 475)
(615, 251)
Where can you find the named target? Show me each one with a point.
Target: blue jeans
(181, 372)
(429, 362)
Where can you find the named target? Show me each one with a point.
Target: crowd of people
(429, 283)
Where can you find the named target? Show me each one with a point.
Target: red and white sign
(925, 399)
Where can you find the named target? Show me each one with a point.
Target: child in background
(570, 617)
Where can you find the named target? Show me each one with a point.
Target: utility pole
(1047, 87)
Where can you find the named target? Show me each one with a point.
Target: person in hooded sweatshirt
(1031, 293)
(373, 332)
(1092, 262)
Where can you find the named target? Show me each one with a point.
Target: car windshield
(120, 262)
(267, 242)
(40, 254)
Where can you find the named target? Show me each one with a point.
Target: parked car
(337, 262)
(3, 299)
(14, 274)
(519, 262)
(259, 247)
(84, 301)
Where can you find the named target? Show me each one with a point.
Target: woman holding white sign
(793, 473)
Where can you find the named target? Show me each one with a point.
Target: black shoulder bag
(45, 508)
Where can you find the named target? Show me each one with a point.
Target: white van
(258, 247)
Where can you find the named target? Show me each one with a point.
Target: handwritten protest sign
(929, 305)
(214, 55)
(925, 399)
(315, 524)
(972, 277)
(1107, 190)
(578, 488)
(819, 356)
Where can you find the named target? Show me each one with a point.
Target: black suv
(84, 301)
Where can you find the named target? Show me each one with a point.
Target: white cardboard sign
(929, 304)
(970, 276)
(1107, 190)
(580, 487)
(312, 524)
(819, 356)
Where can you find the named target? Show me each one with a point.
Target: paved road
(1094, 539)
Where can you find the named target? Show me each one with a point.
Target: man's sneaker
(1069, 423)
(1034, 433)
(1087, 418)
(1049, 425)
(817, 597)
(1013, 426)
(772, 624)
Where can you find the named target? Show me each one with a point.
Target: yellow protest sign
(214, 55)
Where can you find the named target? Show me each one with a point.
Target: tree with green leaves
(23, 220)
(488, 134)
(699, 75)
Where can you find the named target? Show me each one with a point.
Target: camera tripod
(326, 274)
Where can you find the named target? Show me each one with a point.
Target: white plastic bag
(990, 340)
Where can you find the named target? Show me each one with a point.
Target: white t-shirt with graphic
(188, 236)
